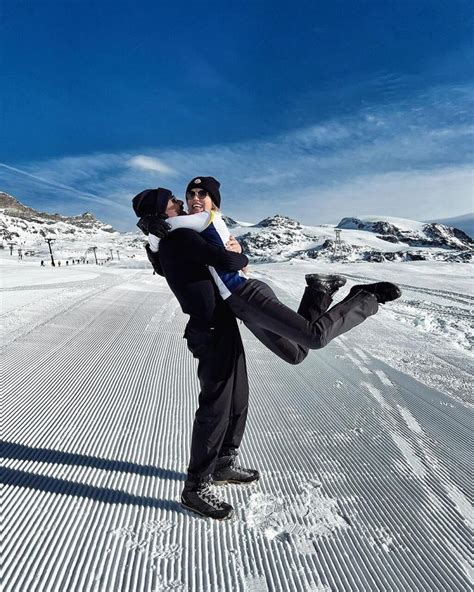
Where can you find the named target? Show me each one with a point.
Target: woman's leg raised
(256, 306)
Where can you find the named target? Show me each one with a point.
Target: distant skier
(288, 334)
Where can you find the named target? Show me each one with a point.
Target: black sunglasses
(199, 192)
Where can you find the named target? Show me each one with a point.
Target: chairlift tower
(49, 241)
(337, 242)
(11, 245)
(84, 258)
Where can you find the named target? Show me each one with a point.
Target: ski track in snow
(365, 476)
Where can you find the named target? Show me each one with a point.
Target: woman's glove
(154, 224)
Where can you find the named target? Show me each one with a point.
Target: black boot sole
(235, 482)
(194, 511)
(394, 295)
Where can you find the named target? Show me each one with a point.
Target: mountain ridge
(11, 206)
(275, 238)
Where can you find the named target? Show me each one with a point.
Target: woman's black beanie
(210, 184)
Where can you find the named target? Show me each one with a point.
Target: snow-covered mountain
(276, 238)
(417, 234)
(27, 229)
(377, 239)
(19, 220)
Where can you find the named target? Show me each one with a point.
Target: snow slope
(365, 469)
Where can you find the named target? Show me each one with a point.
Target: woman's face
(198, 200)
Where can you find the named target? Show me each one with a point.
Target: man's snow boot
(325, 282)
(198, 497)
(383, 291)
(228, 471)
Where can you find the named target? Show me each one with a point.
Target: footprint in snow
(299, 519)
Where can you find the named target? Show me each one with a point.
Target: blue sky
(316, 110)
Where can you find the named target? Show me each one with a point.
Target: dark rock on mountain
(229, 221)
(390, 238)
(447, 236)
(279, 222)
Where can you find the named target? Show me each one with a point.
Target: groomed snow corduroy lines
(401, 517)
(103, 418)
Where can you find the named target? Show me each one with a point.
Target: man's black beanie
(151, 201)
(210, 184)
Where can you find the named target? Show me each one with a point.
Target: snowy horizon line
(365, 216)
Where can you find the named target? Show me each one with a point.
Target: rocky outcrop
(279, 239)
(18, 221)
(279, 222)
(416, 235)
(231, 223)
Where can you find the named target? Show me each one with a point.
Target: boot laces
(209, 497)
(237, 467)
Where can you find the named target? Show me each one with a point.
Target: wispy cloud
(83, 195)
(415, 194)
(150, 163)
(411, 159)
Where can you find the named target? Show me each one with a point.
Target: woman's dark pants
(291, 334)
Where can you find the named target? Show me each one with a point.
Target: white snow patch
(461, 502)
(383, 377)
(410, 456)
(374, 391)
(358, 364)
(410, 420)
(256, 584)
(362, 355)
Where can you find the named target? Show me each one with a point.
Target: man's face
(174, 207)
(198, 200)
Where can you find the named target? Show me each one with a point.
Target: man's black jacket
(182, 258)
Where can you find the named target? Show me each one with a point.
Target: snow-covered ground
(364, 449)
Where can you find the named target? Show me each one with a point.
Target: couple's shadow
(19, 478)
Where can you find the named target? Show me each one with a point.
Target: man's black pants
(289, 334)
(221, 416)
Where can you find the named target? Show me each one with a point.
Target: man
(213, 338)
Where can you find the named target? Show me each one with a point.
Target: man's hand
(233, 245)
(154, 224)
